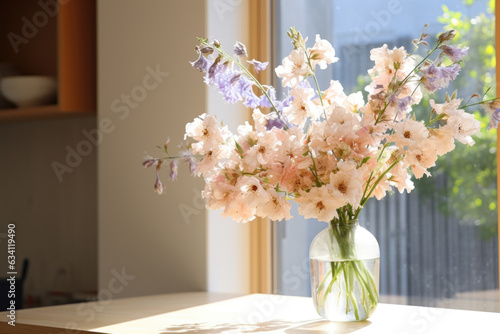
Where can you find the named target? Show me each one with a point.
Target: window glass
(439, 244)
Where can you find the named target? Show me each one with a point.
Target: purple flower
(149, 162)
(174, 170)
(251, 100)
(264, 101)
(401, 104)
(455, 53)
(158, 185)
(201, 63)
(215, 68)
(494, 119)
(437, 77)
(275, 122)
(192, 164)
(257, 65)
(287, 101)
(303, 85)
(240, 49)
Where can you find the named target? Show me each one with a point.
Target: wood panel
(29, 37)
(77, 55)
(32, 329)
(497, 43)
(260, 229)
(37, 113)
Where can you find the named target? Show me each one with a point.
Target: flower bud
(149, 162)
(158, 187)
(447, 36)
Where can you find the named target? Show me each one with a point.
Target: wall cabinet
(56, 38)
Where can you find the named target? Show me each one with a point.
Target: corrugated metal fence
(426, 254)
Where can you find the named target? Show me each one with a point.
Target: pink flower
(322, 53)
(409, 133)
(294, 179)
(346, 185)
(319, 203)
(447, 108)
(252, 191)
(294, 69)
(389, 63)
(302, 107)
(207, 131)
(463, 126)
(263, 152)
(421, 157)
(276, 208)
(400, 178)
(335, 93)
(443, 139)
(210, 159)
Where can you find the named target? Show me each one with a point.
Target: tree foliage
(471, 191)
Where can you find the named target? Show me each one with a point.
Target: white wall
(139, 230)
(228, 241)
(56, 218)
(145, 233)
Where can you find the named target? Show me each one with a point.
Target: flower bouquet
(328, 151)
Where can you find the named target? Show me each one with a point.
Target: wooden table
(207, 313)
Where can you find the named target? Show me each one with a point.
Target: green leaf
(238, 147)
(364, 161)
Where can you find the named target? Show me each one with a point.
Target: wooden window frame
(261, 266)
(262, 252)
(497, 56)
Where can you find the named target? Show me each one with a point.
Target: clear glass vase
(345, 262)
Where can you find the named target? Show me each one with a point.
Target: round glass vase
(345, 264)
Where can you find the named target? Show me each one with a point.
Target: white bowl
(29, 90)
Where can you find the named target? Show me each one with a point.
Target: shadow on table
(324, 326)
(290, 327)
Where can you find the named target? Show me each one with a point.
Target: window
(439, 244)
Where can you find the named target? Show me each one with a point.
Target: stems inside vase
(349, 279)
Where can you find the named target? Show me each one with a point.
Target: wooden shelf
(65, 48)
(37, 113)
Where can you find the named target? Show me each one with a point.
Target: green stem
(416, 68)
(316, 82)
(315, 171)
(363, 201)
(473, 104)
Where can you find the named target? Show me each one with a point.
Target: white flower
(318, 203)
(322, 53)
(294, 69)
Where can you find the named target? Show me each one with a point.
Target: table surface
(208, 313)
